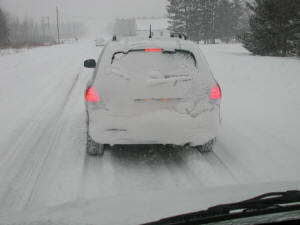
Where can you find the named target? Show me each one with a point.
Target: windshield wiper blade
(268, 203)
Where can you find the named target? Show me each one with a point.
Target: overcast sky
(95, 13)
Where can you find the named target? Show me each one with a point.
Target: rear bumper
(163, 127)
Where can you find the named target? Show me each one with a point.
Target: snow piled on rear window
(178, 57)
(156, 75)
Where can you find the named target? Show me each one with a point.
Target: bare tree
(28, 32)
(4, 31)
(206, 20)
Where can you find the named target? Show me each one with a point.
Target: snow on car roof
(170, 44)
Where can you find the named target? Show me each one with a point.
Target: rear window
(152, 64)
(182, 57)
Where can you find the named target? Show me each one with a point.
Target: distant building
(159, 27)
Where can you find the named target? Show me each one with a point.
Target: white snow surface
(43, 136)
(143, 207)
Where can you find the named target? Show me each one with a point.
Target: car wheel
(93, 148)
(207, 147)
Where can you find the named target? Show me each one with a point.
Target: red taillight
(91, 95)
(153, 50)
(216, 92)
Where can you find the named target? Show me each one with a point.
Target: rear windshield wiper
(162, 50)
(268, 203)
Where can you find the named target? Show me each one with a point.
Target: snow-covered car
(100, 42)
(152, 92)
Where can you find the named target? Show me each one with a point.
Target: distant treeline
(4, 31)
(274, 28)
(16, 32)
(207, 20)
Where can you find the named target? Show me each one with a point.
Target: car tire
(207, 147)
(93, 148)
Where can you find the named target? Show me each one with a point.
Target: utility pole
(57, 24)
(48, 22)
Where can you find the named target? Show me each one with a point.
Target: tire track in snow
(260, 154)
(27, 164)
(127, 169)
(56, 135)
(98, 177)
(220, 168)
(239, 169)
(177, 164)
(124, 169)
(59, 178)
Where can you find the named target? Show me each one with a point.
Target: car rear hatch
(148, 80)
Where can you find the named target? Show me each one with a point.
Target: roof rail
(179, 35)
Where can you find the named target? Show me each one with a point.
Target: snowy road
(42, 132)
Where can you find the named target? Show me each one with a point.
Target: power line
(84, 17)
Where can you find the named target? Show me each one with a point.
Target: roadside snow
(42, 132)
(260, 110)
(35, 86)
(11, 51)
(143, 207)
